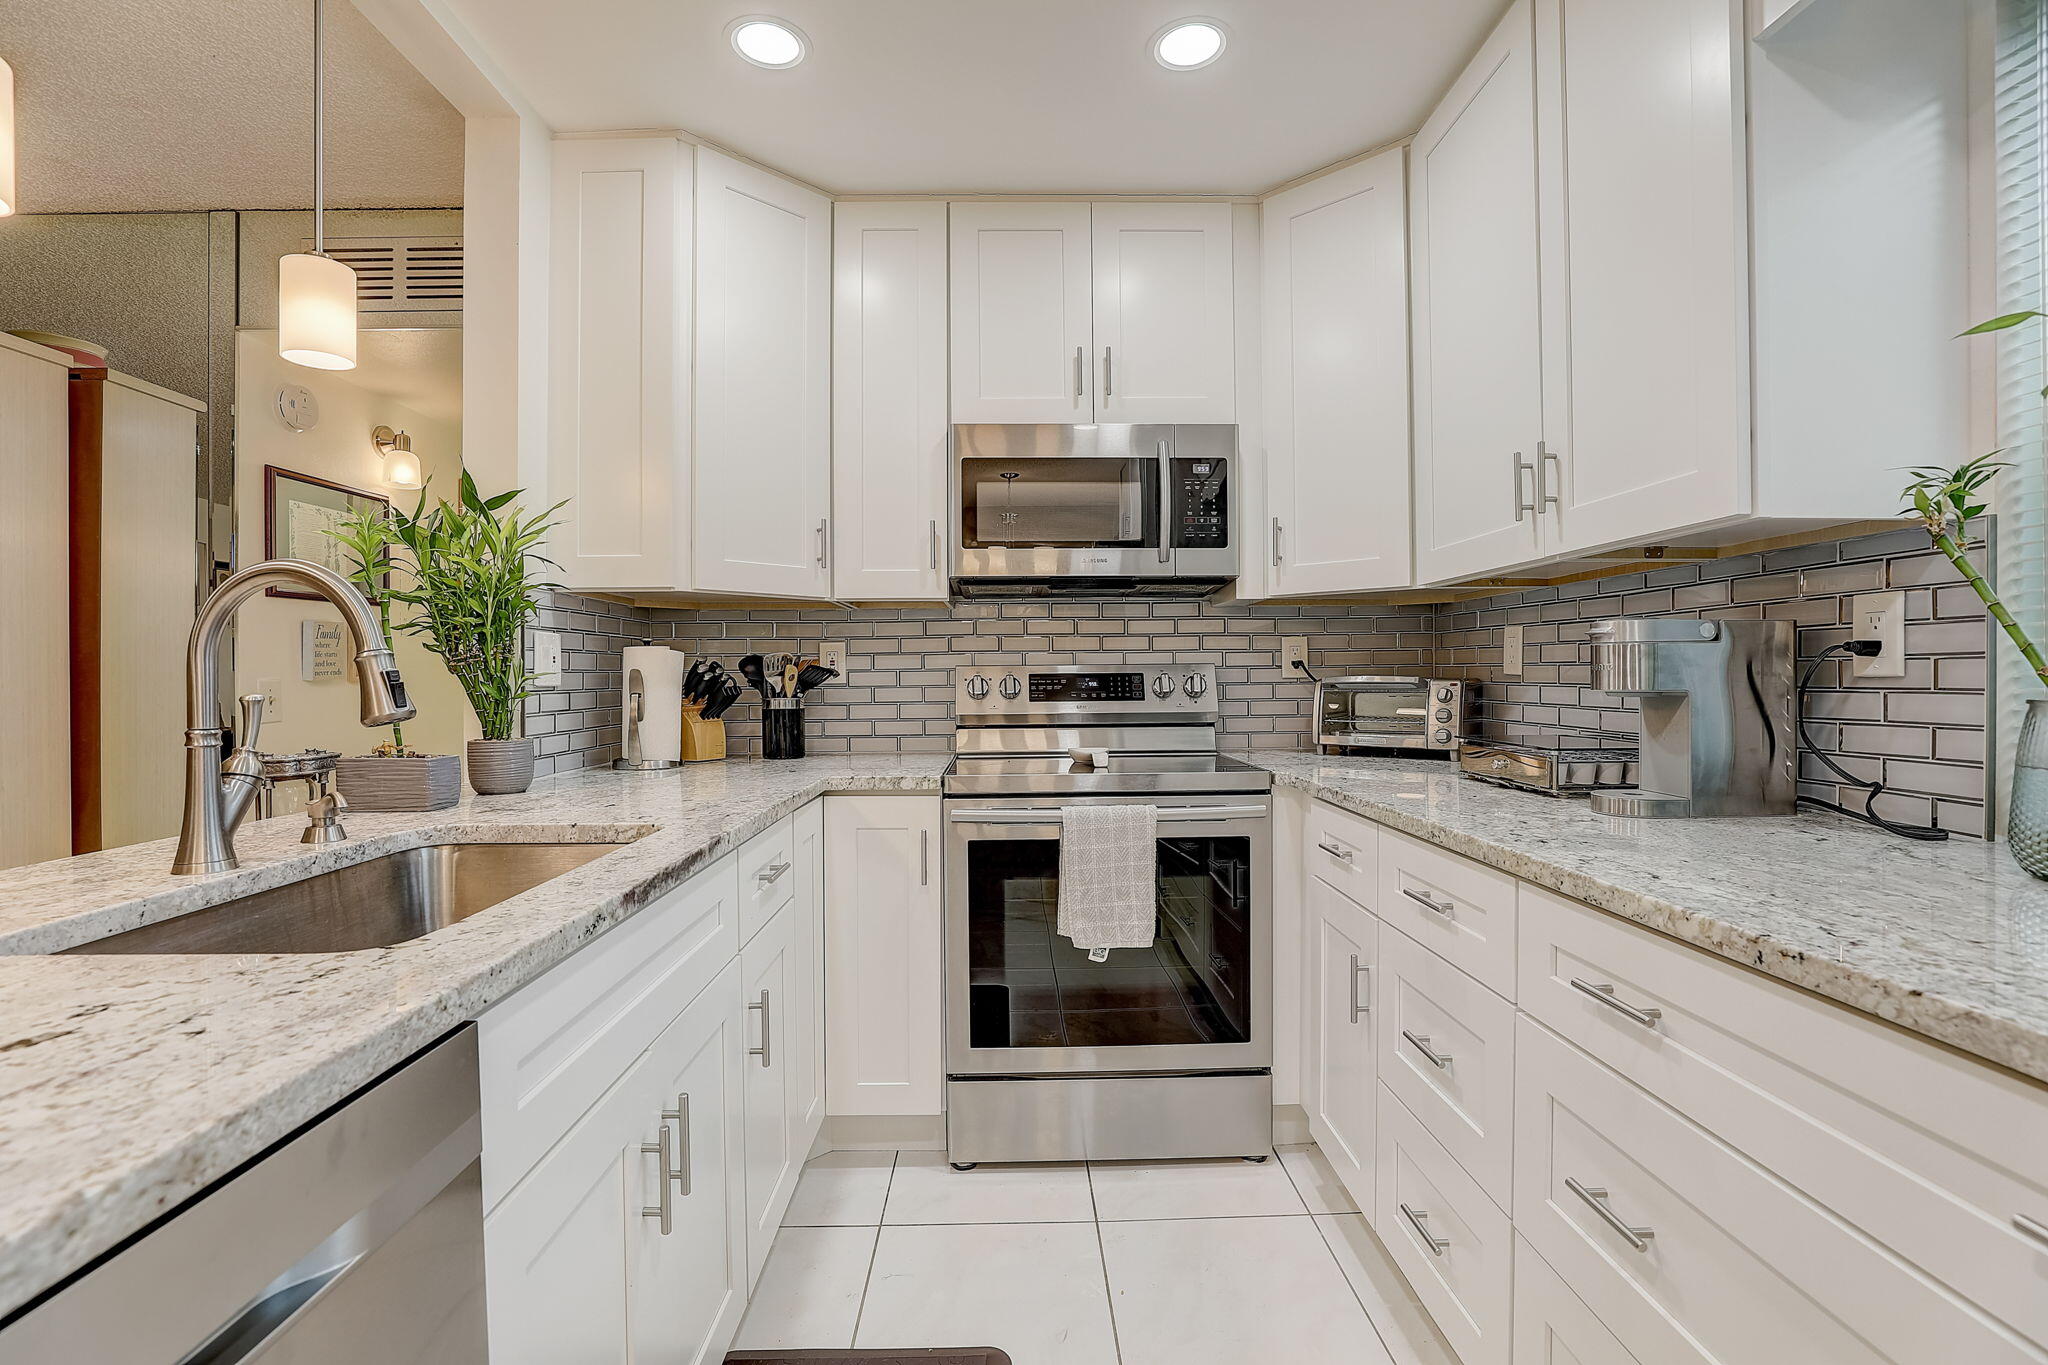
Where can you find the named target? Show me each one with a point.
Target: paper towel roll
(655, 672)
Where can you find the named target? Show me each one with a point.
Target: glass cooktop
(1124, 773)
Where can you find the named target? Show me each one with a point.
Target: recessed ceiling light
(1188, 44)
(773, 43)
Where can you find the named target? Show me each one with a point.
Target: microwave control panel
(1201, 503)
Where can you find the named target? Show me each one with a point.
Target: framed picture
(299, 511)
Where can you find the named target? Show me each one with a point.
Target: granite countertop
(127, 1084)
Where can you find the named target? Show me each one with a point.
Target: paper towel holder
(632, 757)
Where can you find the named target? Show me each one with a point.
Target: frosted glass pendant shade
(316, 312)
(6, 139)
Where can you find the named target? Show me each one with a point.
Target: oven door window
(1371, 712)
(1059, 503)
(1030, 987)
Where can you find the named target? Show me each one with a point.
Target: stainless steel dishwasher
(358, 1239)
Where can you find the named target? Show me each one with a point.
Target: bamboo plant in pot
(474, 578)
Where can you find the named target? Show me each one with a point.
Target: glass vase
(2027, 826)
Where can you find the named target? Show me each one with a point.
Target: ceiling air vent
(403, 274)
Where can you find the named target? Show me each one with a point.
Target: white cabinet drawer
(1344, 850)
(1462, 911)
(1688, 1251)
(1447, 1049)
(767, 871)
(1453, 1244)
(1553, 1326)
(1928, 1153)
(547, 1051)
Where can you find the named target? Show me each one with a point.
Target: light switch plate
(547, 659)
(1879, 616)
(1293, 650)
(1511, 650)
(273, 703)
(832, 654)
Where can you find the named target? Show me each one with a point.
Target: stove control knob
(1443, 737)
(1162, 686)
(1010, 687)
(977, 687)
(1195, 685)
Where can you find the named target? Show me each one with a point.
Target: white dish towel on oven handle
(1109, 864)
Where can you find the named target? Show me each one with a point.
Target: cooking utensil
(729, 691)
(693, 678)
(751, 669)
(789, 675)
(814, 674)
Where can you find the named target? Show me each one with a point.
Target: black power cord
(1871, 790)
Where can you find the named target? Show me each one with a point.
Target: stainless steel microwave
(1390, 713)
(1107, 508)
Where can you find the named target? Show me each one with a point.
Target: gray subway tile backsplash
(1923, 733)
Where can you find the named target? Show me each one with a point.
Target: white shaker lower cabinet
(1553, 1326)
(625, 1243)
(1336, 382)
(884, 988)
(1343, 946)
(889, 428)
(806, 1032)
(768, 974)
(763, 444)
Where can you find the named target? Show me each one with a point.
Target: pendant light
(316, 294)
(6, 139)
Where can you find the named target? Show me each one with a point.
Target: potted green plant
(393, 775)
(473, 567)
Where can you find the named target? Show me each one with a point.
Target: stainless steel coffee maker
(1717, 703)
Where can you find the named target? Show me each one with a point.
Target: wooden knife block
(703, 740)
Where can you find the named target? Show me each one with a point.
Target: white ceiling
(1032, 96)
(133, 105)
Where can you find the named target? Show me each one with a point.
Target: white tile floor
(1114, 1263)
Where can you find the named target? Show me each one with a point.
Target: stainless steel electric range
(1156, 1052)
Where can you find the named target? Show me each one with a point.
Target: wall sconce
(401, 466)
(6, 139)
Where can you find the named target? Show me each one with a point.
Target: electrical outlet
(547, 659)
(832, 654)
(1511, 650)
(1294, 655)
(1880, 616)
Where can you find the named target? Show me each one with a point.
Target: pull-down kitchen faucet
(218, 794)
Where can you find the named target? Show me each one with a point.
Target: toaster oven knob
(1443, 737)
(1195, 685)
(1443, 713)
(1162, 686)
(1443, 694)
(1010, 687)
(977, 687)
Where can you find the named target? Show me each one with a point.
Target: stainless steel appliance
(1092, 510)
(1554, 769)
(1390, 713)
(358, 1239)
(1156, 1052)
(1718, 712)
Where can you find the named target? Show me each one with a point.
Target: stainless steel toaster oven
(1390, 713)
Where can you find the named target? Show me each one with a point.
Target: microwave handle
(1166, 536)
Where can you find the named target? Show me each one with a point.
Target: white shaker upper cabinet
(889, 401)
(1021, 328)
(1646, 265)
(1336, 390)
(1478, 326)
(763, 392)
(618, 423)
(1165, 347)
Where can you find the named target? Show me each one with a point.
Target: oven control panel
(1023, 695)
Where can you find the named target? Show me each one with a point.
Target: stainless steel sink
(371, 904)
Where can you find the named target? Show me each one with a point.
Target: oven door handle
(1050, 815)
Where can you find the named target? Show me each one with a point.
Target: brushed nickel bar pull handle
(823, 522)
(1646, 1015)
(1080, 371)
(1276, 542)
(1427, 901)
(2032, 1227)
(1596, 1200)
(1546, 460)
(1420, 1042)
(1437, 1245)
(663, 1210)
(1108, 374)
(680, 1116)
(767, 1058)
(1335, 851)
(768, 876)
(1522, 467)
(1358, 969)
(924, 857)
(935, 545)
